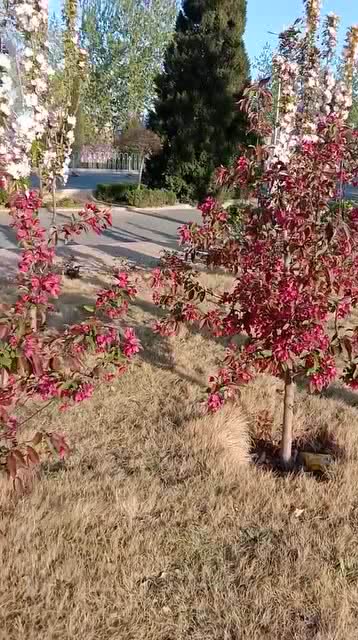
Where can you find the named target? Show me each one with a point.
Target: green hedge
(114, 192)
(130, 194)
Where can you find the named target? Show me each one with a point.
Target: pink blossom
(208, 206)
(106, 340)
(13, 341)
(122, 279)
(131, 344)
(184, 234)
(47, 387)
(30, 346)
(215, 402)
(83, 392)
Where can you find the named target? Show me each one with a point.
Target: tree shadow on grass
(337, 392)
(156, 350)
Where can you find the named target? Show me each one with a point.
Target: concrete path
(136, 235)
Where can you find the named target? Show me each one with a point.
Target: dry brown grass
(154, 531)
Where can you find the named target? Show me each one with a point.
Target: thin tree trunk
(33, 318)
(140, 173)
(286, 444)
(41, 182)
(54, 206)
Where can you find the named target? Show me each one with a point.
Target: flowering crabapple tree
(39, 365)
(44, 365)
(295, 264)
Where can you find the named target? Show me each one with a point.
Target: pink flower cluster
(131, 344)
(114, 301)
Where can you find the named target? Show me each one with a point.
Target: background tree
(126, 40)
(138, 139)
(205, 67)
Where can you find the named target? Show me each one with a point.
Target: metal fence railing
(106, 161)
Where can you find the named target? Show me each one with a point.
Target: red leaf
(20, 458)
(37, 438)
(3, 331)
(32, 455)
(4, 378)
(18, 485)
(11, 466)
(60, 445)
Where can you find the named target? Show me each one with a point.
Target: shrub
(134, 197)
(114, 192)
(151, 197)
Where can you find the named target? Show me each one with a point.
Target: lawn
(159, 527)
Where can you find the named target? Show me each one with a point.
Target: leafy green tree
(126, 40)
(195, 113)
(55, 38)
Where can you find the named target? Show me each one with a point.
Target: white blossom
(31, 100)
(19, 170)
(41, 59)
(5, 61)
(28, 64)
(5, 109)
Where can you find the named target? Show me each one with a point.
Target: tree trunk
(54, 206)
(286, 444)
(33, 319)
(140, 173)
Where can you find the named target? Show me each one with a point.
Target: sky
(273, 15)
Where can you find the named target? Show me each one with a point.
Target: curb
(127, 207)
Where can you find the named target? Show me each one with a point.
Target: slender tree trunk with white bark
(287, 425)
(141, 168)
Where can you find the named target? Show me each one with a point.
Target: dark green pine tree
(195, 112)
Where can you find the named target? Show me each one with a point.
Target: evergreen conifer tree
(195, 113)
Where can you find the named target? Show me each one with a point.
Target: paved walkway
(138, 236)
